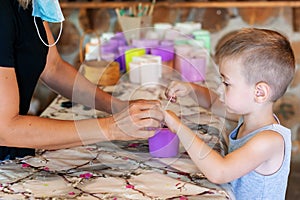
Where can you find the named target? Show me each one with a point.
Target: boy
(256, 66)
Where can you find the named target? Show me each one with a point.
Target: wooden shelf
(210, 4)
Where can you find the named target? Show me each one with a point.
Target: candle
(131, 53)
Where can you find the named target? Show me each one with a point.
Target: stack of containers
(190, 62)
(184, 47)
(120, 49)
(166, 51)
(147, 44)
(108, 50)
(203, 36)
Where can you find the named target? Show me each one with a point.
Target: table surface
(118, 169)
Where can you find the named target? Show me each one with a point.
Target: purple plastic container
(118, 41)
(120, 38)
(166, 52)
(167, 57)
(145, 43)
(164, 144)
(193, 69)
(120, 58)
(167, 43)
(109, 47)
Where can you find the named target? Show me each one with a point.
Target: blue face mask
(50, 11)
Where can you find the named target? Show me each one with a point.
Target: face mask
(50, 11)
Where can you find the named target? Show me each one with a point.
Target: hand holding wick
(139, 121)
(177, 89)
(171, 99)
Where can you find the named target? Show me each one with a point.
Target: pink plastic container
(164, 144)
(193, 69)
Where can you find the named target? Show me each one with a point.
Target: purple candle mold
(166, 43)
(164, 144)
(193, 69)
(165, 52)
(109, 48)
(120, 58)
(145, 43)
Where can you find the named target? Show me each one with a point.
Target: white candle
(134, 72)
(149, 73)
(150, 58)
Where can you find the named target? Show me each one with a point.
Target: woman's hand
(119, 105)
(177, 89)
(139, 121)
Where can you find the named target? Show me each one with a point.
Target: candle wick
(165, 108)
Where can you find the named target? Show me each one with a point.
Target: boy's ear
(262, 92)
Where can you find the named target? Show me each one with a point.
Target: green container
(203, 35)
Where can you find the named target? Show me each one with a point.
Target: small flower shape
(183, 198)
(25, 165)
(86, 175)
(46, 169)
(130, 186)
(133, 145)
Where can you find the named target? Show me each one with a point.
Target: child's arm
(262, 153)
(180, 89)
(205, 97)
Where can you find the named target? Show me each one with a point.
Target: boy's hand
(172, 120)
(177, 89)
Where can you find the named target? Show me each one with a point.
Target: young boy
(256, 66)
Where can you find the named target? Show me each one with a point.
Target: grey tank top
(253, 185)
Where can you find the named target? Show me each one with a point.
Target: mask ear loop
(48, 45)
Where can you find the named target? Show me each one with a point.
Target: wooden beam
(210, 4)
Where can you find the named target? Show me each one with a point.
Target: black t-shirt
(21, 48)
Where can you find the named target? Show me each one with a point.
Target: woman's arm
(37, 132)
(30, 131)
(65, 80)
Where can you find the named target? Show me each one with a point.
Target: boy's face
(238, 95)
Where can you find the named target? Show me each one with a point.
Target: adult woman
(24, 58)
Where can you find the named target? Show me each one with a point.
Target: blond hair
(266, 56)
(24, 3)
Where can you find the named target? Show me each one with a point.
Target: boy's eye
(225, 83)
